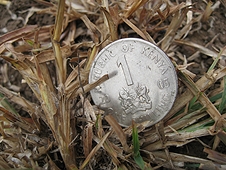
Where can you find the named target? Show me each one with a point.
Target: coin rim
(158, 50)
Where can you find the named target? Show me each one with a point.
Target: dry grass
(64, 121)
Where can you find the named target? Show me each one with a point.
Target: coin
(142, 84)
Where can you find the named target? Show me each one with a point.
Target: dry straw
(64, 121)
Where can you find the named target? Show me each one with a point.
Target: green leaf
(192, 102)
(192, 165)
(216, 97)
(136, 147)
(216, 60)
(5, 104)
(139, 161)
(30, 42)
(223, 100)
(97, 121)
(194, 105)
(205, 124)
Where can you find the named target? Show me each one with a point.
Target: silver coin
(142, 84)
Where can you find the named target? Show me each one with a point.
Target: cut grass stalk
(60, 61)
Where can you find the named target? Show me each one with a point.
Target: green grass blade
(192, 165)
(205, 124)
(136, 147)
(223, 100)
(139, 161)
(192, 102)
(4, 103)
(216, 97)
(216, 60)
(196, 105)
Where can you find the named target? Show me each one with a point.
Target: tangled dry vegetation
(63, 129)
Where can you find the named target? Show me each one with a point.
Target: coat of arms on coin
(142, 84)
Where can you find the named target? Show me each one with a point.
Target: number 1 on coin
(123, 63)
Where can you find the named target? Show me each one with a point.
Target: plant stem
(60, 61)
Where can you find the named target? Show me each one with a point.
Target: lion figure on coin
(135, 99)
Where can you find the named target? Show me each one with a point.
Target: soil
(13, 17)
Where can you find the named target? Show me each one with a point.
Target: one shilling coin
(142, 84)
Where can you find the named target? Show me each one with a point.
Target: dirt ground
(213, 30)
